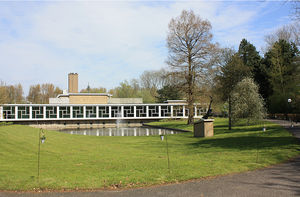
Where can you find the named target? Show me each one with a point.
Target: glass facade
(138, 111)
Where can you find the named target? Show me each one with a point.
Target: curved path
(279, 180)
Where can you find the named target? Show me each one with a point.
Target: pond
(122, 131)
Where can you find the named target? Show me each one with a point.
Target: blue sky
(107, 42)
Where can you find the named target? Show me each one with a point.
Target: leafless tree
(191, 50)
(289, 33)
(3, 93)
(296, 9)
(41, 93)
(151, 79)
(34, 95)
(19, 94)
(11, 93)
(48, 90)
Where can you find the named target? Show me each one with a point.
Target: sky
(107, 42)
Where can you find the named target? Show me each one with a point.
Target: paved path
(280, 180)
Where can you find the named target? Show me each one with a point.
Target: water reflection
(123, 131)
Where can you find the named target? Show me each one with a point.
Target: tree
(190, 47)
(248, 54)
(231, 73)
(3, 93)
(11, 93)
(247, 102)
(252, 59)
(146, 95)
(88, 88)
(57, 91)
(93, 90)
(125, 90)
(296, 9)
(40, 94)
(48, 90)
(19, 94)
(132, 89)
(289, 33)
(155, 79)
(168, 92)
(34, 95)
(152, 81)
(283, 67)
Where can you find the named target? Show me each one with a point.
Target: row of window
(37, 112)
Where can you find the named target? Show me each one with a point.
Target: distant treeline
(40, 93)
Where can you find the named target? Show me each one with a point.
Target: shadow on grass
(222, 130)
(244, 143)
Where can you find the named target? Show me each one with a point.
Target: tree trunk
(190, 89)
(190, 106)
(229, 112)
(191, 114)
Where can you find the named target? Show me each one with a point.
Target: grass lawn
(89, 162)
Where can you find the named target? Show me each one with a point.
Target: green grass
(89, 162)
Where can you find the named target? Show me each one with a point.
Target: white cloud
(105, 42)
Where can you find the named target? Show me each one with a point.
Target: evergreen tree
(232, 72)
(253, 60)
(283, 69)
(168, 92)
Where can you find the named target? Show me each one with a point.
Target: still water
(122, 131)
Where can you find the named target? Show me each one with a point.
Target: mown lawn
(89, 162)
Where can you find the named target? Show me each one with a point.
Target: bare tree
(151, 79)
(296, 9)
(34, 95)
(48, 91)
(3, 93)
(190, 52)
(289, 33)
(41, 93)
(154, 80)
(19, 94)
(11, 93)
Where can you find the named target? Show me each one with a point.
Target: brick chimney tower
(72, 83)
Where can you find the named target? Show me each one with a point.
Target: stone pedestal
(204, 128)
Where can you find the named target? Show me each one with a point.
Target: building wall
(61, 100)
(125, 101)
(84, 99)
(73, 83)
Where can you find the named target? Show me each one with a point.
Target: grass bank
(89, 162)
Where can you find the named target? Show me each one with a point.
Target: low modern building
(100, 109)
(72, 96)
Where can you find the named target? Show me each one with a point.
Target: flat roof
(84, 94)
(175, 101)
